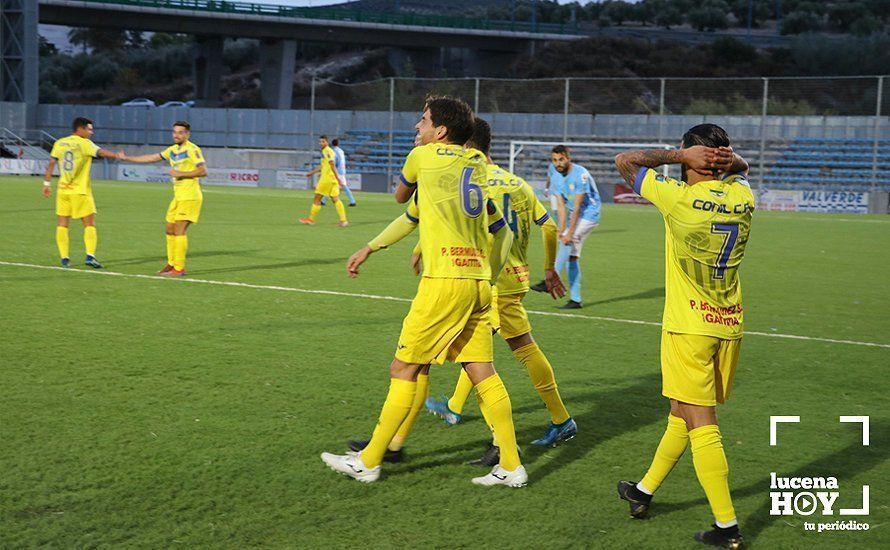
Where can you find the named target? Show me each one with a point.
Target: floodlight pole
(874, 150)
(392, 105)
(312, 112)
(565, 113)
(763, 129)
(661, 111)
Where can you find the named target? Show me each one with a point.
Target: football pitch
(148, 412)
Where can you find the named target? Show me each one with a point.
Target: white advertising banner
(159, 173)
(291, 179)
(354, 181)
(23, 166)
(849, 202)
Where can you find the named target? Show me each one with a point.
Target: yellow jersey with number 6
(454, 217)
(75, 155)
(706, 232)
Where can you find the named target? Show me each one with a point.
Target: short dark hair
(183, 124)
(454, 114)
(335, 142)
(323, 137)
(481, 139)
(709, 135)
(561, 150)
(80, 122)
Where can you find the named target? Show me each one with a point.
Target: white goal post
(597, 150)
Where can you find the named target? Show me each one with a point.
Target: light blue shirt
(339, 160)
(577, 182)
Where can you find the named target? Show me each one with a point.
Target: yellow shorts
(448, 320)
(698, 369)
(508, 315)
(75, 206)
(330, 188)
(184, 211)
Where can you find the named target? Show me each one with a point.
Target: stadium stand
(801, 163)
(814, 162)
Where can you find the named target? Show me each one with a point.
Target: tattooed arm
(697, 157)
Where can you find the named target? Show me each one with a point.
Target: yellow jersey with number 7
(706, 232)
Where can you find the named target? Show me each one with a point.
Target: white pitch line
(398, 299)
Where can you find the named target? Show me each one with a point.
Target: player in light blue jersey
(340, 164)
(578, 213)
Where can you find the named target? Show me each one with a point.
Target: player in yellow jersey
(707, 218)
(328, 184)
(186, 166)
(521, 209)
(449, 317)
(74, 198)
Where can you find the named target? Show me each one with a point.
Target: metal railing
(345, 14)
(749, 106)
(23, 147)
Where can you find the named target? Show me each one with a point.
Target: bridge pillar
(19, 62)
(277, 58)
(207, 69)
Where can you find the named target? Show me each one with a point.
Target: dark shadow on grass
(645, 295)
(609, 413)
(202, 254)
(255, 267)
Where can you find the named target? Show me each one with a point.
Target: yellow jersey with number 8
(75, 155)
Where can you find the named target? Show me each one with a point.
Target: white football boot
(500, 476)
(351, 465)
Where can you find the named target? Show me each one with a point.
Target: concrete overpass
(280, 28)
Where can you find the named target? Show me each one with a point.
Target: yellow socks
(171, 249)
(62, 241)
(494, 439)
(541, 374)
(316, 208)
(181, 247)
(461, 393)
(494, 399)
(422, 388)
(90, 239)
(395, 409)
(341, 210)
(673, 444)
(712, 471)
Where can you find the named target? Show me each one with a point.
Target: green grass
(148, 412)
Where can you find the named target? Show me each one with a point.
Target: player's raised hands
(356, 260)
(706, 159)
(554, 284)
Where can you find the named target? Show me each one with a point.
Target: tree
(708, 18)
(798, 22)
(97, 40)
(668, 17)
(45, 47)
(763, 10)
(619, 11)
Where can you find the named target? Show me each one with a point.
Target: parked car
(139, 102)
(175, 104)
